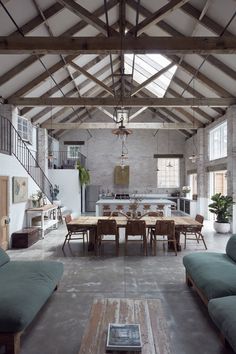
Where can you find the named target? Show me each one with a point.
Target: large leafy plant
(222, 207)
(84, 175)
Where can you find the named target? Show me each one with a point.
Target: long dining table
(90, 223)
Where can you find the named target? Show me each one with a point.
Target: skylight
(146, 65)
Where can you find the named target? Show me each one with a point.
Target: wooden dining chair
(194, 232)
(136, 228)
(74, 232)
(105, 230)
(163, 228)
(106, 210)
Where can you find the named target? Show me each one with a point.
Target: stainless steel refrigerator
(91, 197)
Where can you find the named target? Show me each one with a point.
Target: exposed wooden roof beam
(173, 32)
(91, 77)
(220, 91)
(97, 125)
(97, 45)
(205, 21)
(156, 17)
(66, 81)
(36, 22)
(127, 102)
(150, 79)
(87, 17)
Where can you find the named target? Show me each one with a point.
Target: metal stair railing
(11, 143)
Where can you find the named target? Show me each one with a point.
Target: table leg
(92, 235)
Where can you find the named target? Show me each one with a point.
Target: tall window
(218, 142)
(24, 128)
(168, 174)
(218, 182)
(73, 152)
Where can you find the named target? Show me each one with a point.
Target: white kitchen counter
(126, 202)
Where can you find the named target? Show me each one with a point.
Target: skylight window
(147, 65)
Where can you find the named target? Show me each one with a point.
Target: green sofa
(25, 287)
(213, 275)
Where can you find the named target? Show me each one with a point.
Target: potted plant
(222, 207)
(83, 174)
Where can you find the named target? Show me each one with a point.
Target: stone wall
(103, 150)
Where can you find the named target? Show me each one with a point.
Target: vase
(222, 227)
(35, 203)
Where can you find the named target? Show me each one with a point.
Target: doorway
(4, 229)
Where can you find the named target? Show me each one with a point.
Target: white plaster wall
(103, 150)
(9, 166)
(69, 186)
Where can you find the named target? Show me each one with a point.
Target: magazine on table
(124, 337)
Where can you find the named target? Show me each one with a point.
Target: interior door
(4, 218)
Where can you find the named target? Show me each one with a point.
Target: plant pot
(222, 227)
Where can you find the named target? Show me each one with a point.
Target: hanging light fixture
(168, 137)
(122, 132)
(124, 155)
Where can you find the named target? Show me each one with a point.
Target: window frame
(25, 129)
(218, 142)
(166, 160)
(71, 156)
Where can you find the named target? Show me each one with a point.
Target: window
(218, 142)
(73, 152)
(168, 177)
(24, 128)
(219, 182)
(145, 66)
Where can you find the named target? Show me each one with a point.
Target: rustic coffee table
(148, 313)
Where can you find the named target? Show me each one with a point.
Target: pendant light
(168, 137)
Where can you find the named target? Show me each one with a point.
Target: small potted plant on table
(222, 207)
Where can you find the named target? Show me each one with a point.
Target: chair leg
(66, 239)
(145, 245)
(117, 245)
(202, 238)
(175, 247)
(126, 241)
(185, 237)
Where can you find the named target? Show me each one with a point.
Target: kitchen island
(126, 202)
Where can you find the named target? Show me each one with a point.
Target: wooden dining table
(90, 223)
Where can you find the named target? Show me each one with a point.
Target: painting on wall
(121, 175)
(20, 189)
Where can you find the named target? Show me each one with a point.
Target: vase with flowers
(186, 190)
(37, 199)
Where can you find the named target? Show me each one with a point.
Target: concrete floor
(59, 327)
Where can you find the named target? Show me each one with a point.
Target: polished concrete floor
(59, 327)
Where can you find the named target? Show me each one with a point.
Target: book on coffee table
(124, 337)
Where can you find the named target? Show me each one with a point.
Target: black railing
(62, 160)
(12, 143)
(5, 136)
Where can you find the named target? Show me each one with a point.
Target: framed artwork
(19, 189)
(121, 175)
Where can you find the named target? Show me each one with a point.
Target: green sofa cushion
(231, 248)
(213, 273)
(25, 287)
(4, 258)
(223, 314)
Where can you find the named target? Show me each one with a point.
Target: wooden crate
(25, 238)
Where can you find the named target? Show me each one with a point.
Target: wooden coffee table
(148, 313)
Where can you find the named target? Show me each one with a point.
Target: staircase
(11, 143)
